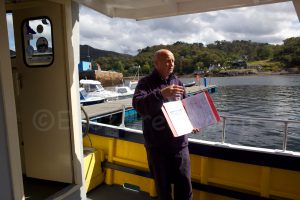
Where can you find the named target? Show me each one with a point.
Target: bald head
(164, 62)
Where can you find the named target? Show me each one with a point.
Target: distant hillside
(198, 57)
(86, 50)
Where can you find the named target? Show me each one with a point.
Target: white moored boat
(124, 92)
(94, 88)
(85, 99)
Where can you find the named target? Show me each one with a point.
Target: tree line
(196, 56)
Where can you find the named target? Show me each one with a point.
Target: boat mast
(137, 74)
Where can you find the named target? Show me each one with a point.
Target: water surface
(275, 97)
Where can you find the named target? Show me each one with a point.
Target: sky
(266, 24)
(270, 23)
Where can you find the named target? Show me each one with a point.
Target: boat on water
(85, 99)
(43, 153)
(94, 89)
(124, 92)
(128, 91)
(132, 84)
(189, 84)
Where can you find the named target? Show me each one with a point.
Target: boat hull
(218, 171)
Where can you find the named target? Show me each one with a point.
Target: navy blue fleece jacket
(147, 100)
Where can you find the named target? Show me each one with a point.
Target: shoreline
(233, 74)
(241, 74)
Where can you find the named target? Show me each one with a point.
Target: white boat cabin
(91, 85)
(94, 88)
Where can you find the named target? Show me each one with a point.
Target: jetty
(117, 105)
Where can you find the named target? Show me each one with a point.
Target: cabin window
(86, 87)
(38, 42)
(93, 88)
(122, 90)
(11, 38)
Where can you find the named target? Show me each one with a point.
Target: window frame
(23, 42)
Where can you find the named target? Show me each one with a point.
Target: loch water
(271, 97)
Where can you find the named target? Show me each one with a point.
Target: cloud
(268, 24)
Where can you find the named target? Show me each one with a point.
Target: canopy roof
(147, 9)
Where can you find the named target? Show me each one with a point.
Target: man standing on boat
(168, 156)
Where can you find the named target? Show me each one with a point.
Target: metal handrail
(123, 116)
(285, 122)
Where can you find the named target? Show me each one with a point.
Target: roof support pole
(10, 168)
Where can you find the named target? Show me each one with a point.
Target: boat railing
(123, 116)
(285, 122)
(224, 118)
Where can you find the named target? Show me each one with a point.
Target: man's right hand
(171, 91)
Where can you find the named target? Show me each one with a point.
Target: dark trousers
(171, 167)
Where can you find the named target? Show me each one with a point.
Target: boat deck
(115, 106)
(36, 189)
(116, 192)
(50, 189)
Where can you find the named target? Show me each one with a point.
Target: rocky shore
(244, 72)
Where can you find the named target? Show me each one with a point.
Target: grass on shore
(268, 65)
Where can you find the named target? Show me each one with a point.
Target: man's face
(165, 63)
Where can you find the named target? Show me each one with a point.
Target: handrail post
(223, 130)
(285, 137)
(123, 117)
